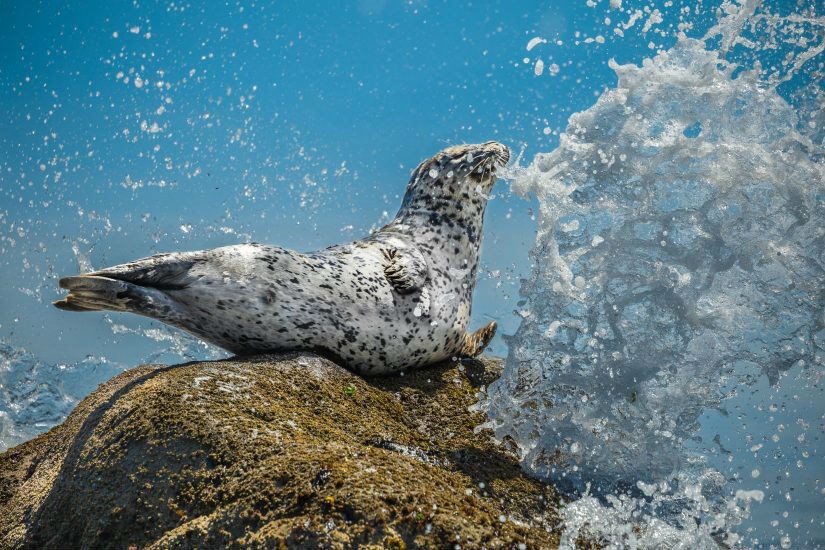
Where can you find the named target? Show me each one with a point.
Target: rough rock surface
(273, 451)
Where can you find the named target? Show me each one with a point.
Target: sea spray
(36, 395)
(680, 255)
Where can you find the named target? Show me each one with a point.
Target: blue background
(295, 123)
(264, 105)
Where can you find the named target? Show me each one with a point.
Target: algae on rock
(284, 450)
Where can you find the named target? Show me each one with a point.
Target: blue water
(131, 128)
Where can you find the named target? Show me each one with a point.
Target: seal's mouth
(500, 153)
(485, 159)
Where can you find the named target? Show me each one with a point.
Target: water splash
(34, 396)
(680, 257)
(177, 345)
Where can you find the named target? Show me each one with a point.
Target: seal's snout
(485, 159)
(488, 156)
(499, 153)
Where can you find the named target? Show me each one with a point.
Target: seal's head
(460, 174)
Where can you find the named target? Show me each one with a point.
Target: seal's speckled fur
(397, 299)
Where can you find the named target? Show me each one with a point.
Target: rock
(276, 451)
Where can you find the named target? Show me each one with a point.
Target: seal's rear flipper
(95, 293)
(162, 271)
(91, 293)
(66, 305)
(139, 286)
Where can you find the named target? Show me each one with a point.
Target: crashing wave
(34, 396)
(680, 253)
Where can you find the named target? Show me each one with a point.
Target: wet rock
(273, 451)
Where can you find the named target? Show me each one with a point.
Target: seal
(397, 299)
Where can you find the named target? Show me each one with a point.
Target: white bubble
(534, 42)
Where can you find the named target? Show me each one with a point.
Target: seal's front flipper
(475, 343)
(405, 269)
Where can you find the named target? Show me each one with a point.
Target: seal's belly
(409, 334)
(344, 307)
(386, 332)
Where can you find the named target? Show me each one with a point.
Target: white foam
(681, 244)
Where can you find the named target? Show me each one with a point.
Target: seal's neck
(447, 227)
(455, 205)
(453, 218)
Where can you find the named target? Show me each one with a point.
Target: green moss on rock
(277, 451)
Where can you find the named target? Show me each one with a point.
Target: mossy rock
(278, 451)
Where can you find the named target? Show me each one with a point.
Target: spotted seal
(398, 299)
